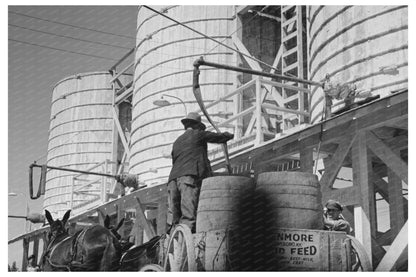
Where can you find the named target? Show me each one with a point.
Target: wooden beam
(331, 172)
(362, 214)
(254, 117)
(385, 238)
(306, 156)
(238, 98)
(137, 233)
(337, 127)
(396, 202)
(141, 217)
(120, 215)
(395, 251)
(25, 253)
(259, 132)
(390, 158)
(241, 47)
(120, 132)
(101, 217)
(162, 211)
(36, 248)
(402, 124)
(146, 195)
(380, 186)
(347, 196)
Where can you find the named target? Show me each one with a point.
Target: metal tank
(364, 45)
(165, 52)
(80, 137)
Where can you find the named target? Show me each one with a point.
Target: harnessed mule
(124, 243)
(92, 249)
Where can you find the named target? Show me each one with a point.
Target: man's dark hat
(333, 205)
(191, 119)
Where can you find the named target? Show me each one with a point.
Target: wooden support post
(361, 165)
(141, 218)
(259, 131)
(306, 156)
(238, 98)
(391, 159)
(101, 217)
(300, 59)
(399, 245)
(162, 212)
(137, 233)
(36, 248)
(114, 149)
(396, 202)
(120, 215)
(25, 253)
(120, 131)
(380, 186)
(337, 159)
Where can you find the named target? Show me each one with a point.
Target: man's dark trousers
(183, 201)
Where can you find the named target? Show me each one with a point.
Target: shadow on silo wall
(252, 246)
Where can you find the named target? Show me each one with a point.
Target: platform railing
(263, 115)
(96, 188)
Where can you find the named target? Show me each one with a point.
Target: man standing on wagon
(190, 167)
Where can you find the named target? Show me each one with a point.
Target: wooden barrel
(219, 200)
(294, 199)
(212, 250)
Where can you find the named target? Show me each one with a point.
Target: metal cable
(208, 37)
(63, 36)
(63, 50)
(73, 26)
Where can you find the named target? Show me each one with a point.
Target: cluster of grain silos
(365, 45)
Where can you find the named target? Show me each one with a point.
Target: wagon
(289, 250)
(274, 226)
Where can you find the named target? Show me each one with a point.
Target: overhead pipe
(201, 61)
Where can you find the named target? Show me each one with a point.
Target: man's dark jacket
(189, 153)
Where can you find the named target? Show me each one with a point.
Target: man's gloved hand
(118, 178)
(327, 222)
(229, 135)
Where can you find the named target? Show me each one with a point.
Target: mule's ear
(120, 224)
(66, 216)
(49, 217)
(107, 222)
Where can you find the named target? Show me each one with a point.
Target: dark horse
(94, 248)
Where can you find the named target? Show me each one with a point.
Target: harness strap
(74, 249)
(78, 241)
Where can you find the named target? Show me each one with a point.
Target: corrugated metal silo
(165, 52)
(364, 45)
(80, 136)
